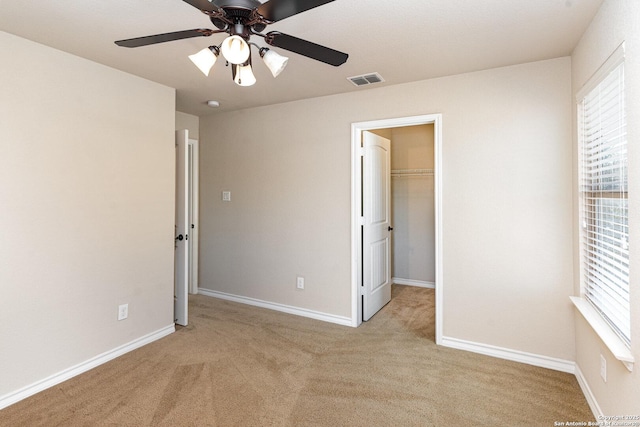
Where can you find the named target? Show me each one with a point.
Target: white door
(376, 255)
(194, 225)
(181, 280)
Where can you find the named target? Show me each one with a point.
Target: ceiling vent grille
(366, 79)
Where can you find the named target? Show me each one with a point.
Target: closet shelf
(395, 173)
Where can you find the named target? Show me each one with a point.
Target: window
(604, 226)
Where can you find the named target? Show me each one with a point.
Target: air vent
(366, 79)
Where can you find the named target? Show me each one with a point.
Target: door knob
(390, 228)
(180, 237)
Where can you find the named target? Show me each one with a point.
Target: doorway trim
(356, 209)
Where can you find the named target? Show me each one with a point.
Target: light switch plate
(603, 368)
(123, 311)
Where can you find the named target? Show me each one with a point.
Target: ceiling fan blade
(166, 37)
(306, 48)
(202, 5)
(276, 10)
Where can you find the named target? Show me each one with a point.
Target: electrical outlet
(226, 196)
(123, 311)
(300, 282)
(603, 368)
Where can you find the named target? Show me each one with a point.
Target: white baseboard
(331, 318)
(588, 394)
(513, 355)
(30, 390)
(411, 282)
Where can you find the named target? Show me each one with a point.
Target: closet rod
(411, 172)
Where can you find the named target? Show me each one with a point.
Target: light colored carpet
(237, 365)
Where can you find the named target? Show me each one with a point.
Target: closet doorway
(415, 176)
(412, 205)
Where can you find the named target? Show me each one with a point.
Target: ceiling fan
(241, 19)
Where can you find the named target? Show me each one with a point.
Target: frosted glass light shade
(244, 75)
(274, 61)
(204, 60)
(235, 50)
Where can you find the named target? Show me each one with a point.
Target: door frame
(356, 209)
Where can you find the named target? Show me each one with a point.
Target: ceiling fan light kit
(241, 19)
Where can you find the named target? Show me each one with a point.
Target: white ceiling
(403, 40)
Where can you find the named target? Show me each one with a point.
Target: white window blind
(603, 191)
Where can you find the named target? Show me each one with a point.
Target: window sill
(603, 330)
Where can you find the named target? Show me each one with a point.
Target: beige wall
(507, 209)
(189, 122)
(412, 201)
(86, 211)
(617, 21)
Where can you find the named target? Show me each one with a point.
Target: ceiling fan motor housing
(240, 12)
(248, 5)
